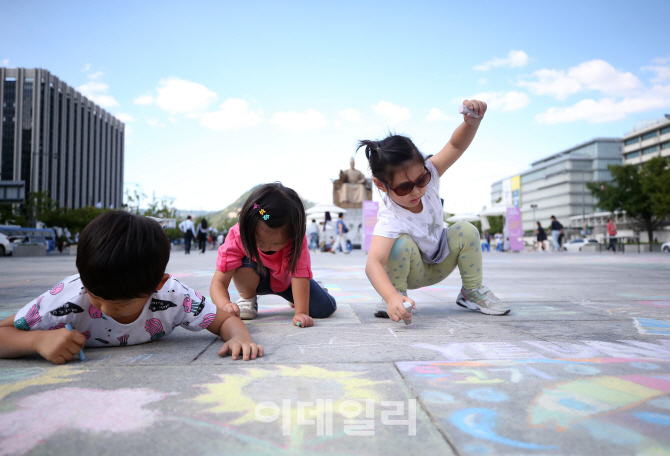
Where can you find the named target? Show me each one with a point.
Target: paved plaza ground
(581, 366)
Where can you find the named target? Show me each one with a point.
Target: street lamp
(534, 206)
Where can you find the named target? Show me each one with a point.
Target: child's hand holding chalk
(302, 320)
(81, 352)
(59, 346)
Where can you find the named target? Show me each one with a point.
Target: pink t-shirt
(232, 251)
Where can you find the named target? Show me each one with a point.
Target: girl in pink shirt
(267, 253)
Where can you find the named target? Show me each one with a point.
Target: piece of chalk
(408, 308)
(462, 109)
(68, 326)
(299, 323)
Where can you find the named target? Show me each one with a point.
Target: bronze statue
(352, 188)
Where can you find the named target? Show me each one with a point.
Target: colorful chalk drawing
(236, 396)
(40, 416)
(550, 403)
(12, 381)
(655, 327)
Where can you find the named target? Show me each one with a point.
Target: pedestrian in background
(611, 232)
(203, 232)
(313, 236)
(341, 229)
(486, 245)
(188, 229)
(541, 236)
(556, 231)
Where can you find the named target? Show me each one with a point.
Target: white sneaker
(380, 308)
(482, 300)
(248, 308)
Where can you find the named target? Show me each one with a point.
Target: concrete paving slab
(304, 409)
(573, 406)
(633, 329)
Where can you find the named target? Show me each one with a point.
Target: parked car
(576, 245)
(5, 245)
(665, 247)
(33, 240)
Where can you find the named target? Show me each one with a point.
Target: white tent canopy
(495, 210)
(463, 218)
(321, 209)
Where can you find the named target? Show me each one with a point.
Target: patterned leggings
(407, 270)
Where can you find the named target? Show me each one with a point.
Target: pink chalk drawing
(57, 289)
(31, 319)
(58, 326)
(94, 313)
(207, 320)
(41, 416)
(188, 302)
(155, 328)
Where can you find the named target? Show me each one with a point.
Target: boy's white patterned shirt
(175, 304)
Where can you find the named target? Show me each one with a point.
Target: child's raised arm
(461, 138)
(218, 290)
(57, 346)
(236, 336)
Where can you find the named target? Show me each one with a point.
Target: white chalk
(408, 308)
(462, 109)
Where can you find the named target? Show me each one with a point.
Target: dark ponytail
(389, 155)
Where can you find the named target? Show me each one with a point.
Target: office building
(556, 185)
(648, 139)
(55, 140)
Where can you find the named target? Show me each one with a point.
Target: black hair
(388, 156)
(122, 255)
(285, 209)
(203, 223)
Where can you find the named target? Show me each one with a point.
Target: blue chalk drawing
(654, 418)
(576, 404)
(662, 402)
(611, 433)
(581, 369)
(487, 395)
(481, 423)
(646, 366)
(649, 326)
(437, 397)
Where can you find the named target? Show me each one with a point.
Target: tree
(641, 192)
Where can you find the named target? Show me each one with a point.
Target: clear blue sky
(219, 96)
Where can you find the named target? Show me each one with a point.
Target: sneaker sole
(247, 316)
(381, 314)
(472, 306)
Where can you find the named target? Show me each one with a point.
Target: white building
(646, 140)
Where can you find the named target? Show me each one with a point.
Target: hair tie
(263, 212)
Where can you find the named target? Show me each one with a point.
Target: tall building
(556, 185)
(57, 141)
(648, 139)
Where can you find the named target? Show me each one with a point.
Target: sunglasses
(406, 187)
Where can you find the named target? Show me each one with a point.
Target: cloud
(435, 115)
(297, 121)
(351, 115)
(96, 75)
(125, 118)
(233, 114)
(155, 122)
(503, 101)
(87, 67)
(606, 109)
(97, 93)
(596, 75)
(144, 100)
(662, 69)
(5, 62)
(178, 96)
(396, 114)
(514, 59)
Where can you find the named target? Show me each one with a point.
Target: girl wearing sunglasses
(410, 247)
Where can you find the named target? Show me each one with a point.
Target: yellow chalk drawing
(50, 376)
(241, 393)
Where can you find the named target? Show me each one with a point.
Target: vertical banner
(506, 192)
(516, 191)
(514, 228)
(370, 209)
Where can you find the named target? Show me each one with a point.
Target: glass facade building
(648, 139)
(556, 185)
(57, 141)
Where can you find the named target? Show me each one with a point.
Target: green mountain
(232, 210)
